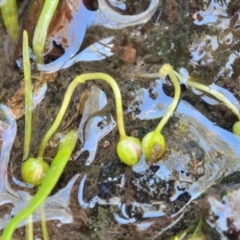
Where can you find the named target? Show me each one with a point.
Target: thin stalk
(43, 223)
(197, 230)
(59, 162)
(28, 96)
(218, 95)
(40, 33)
(144, 75)
(29, 228)
(28, 116)
(10, 18)
(78, 80)
(167, 69)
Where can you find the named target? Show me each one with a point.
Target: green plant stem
(29, 228)
(43, 223)
(197, 230)
(28, 97)
(10, 18)
(167, 69)
(78, 80)
(218, 95)
(64, 153)
(40, 33)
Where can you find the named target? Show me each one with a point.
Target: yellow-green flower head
(129, 150)
(153, 146)
(34, 170)
(236, 128)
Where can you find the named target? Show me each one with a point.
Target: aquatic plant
(36, 171)
(214, 91)
(128, 149)
(33, 170)
(60, 160)
(153, 144)
(10, 17)
(28, 96)
(218, 93)
(190, 127)
(40, 33)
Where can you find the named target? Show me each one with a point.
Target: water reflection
(222, 35)
(81, 19)
(199, 153)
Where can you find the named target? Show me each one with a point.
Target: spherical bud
(129, 150)
(165, 69)
(34, 170)
(153, 146)
(236, 128)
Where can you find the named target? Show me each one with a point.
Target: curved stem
(64, 153)
(40, 33)
(78, 80)
(167, 69)
(28, 96)
(118, 100)
(218, 95)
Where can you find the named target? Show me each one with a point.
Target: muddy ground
(172, 24)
